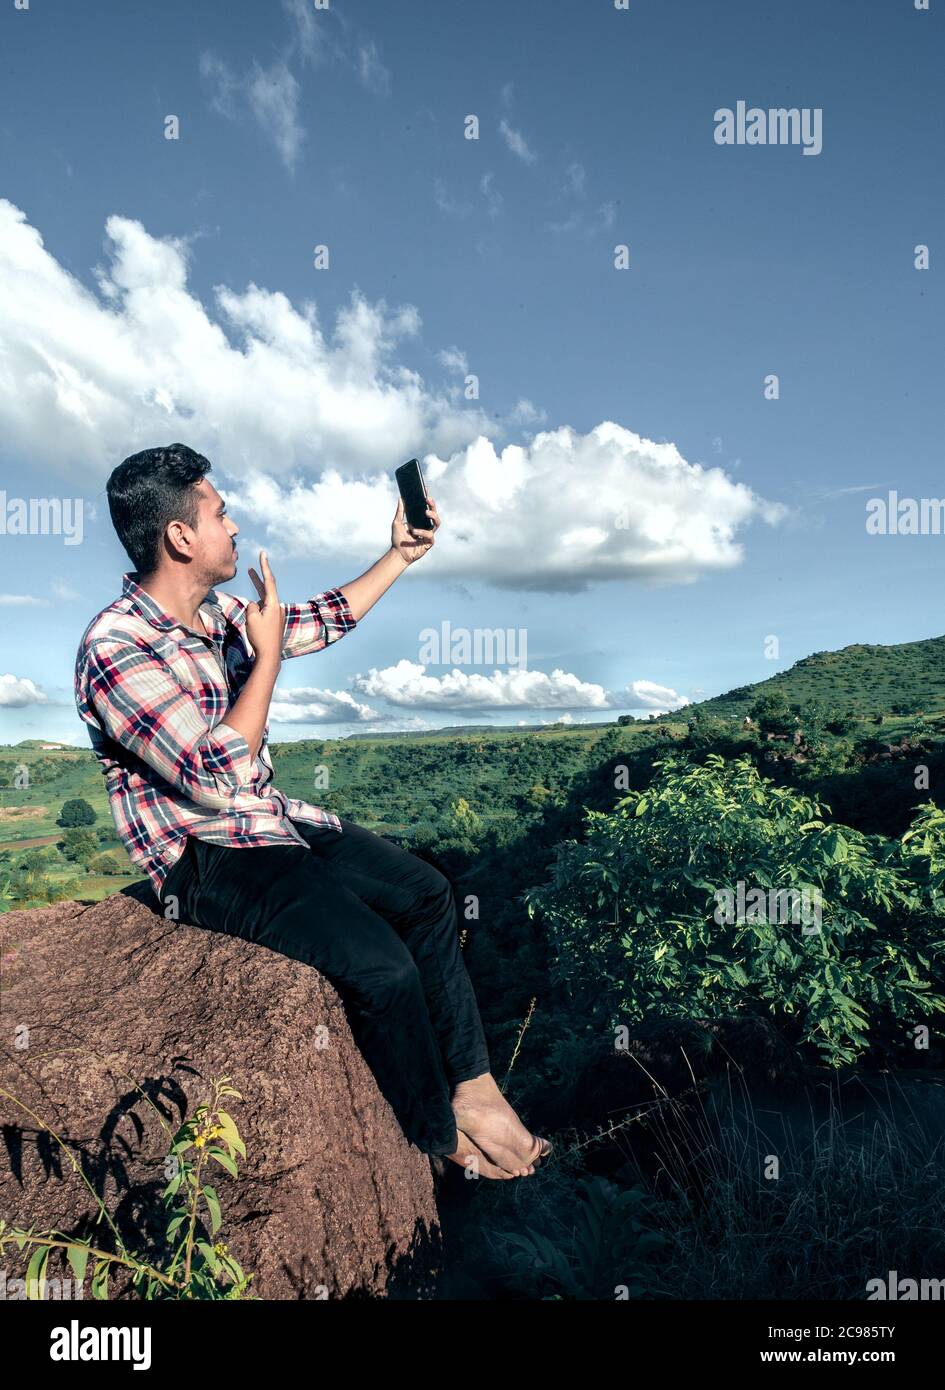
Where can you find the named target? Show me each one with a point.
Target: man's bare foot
(488, 1119)
(466, 1150)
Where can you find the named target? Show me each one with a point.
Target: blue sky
(653, 519)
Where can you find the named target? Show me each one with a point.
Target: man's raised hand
(409, 542)
(265, 619)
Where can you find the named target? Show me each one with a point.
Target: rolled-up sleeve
(141, 705)
(313, 625)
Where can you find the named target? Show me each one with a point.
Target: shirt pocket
(200, 674)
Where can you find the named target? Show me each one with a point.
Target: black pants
(381, 925)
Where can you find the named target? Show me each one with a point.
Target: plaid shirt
(153, 694)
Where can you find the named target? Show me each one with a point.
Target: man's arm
(142, 706)
(313, 625)
(406, 546)
(248, 716)
(362, 593)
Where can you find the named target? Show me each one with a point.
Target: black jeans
(381, 925)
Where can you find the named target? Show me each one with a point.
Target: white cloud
(63, 591)
(493, 197)
(18, 691)
(310, 706)
(225, 91)
(273, 95)
(22, 601)
(447, 204)
(648, 695)
(372, 72)
(454, 360)
(575, 178)
(310, 34)
(309, 426)
(270, 95)
(516, 142)
(85, 382)
(509, 516)
(408, 683)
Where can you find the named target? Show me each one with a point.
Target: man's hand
(410, 544)
(265, 620)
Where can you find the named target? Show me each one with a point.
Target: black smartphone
(413, 491)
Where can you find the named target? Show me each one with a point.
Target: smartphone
(413, 491)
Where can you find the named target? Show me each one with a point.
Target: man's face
(215, 546)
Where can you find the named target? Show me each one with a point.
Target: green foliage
(192, 1262)
(608, 1252)
(108, 863)
(78, 845)
(860, 679)
(773, 713)
(634, 910)
(76, 812)
(25, 884)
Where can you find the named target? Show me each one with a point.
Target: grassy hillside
(863, 679)
(460, 781)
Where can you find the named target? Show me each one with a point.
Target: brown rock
(331, 1200)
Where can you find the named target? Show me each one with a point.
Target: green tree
(78, 845)
(773, 713)
(76, 812)
(107, 863)
(634, 910)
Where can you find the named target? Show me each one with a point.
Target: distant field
(437, 784)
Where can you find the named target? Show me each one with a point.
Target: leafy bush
(107, 863)
(76, 812)
(78, 845)
(634, 910)
(773, 713)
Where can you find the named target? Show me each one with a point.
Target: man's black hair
(149, 490)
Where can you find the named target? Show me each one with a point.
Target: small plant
(195, 1265)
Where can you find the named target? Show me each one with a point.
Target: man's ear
(179, 538)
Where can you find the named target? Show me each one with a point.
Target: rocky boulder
(112, 1016)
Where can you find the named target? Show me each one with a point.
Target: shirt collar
(151, 610)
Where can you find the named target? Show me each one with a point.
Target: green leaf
(213, 1205)
(100, 1280)
(36, 1273)
(78, 1256)
(224, 1158)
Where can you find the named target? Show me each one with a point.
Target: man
(174, 680)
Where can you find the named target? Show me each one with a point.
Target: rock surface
(112, 1017)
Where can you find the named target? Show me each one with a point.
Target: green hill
(860, 679)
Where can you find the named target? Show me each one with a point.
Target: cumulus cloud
(309, 425)
(648, 695)
(522, 517)
(85, 380)
(306, 705)
(18, 691)
(408, 683)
